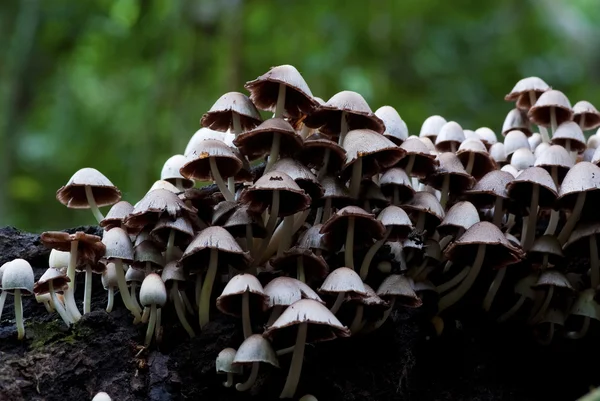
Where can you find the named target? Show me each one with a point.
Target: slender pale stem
(420, 226)
(58, 305)
(493, 290)
(275, 313)
(498, 211)
(151, 325)
(216, 175)
(2, 301)
(343, 129)
(72, 263)
(594, 263)
(339, 300)
(249, 238)
(533, 211)
(366, 263)
(92, 202)
(470, 163)
(358, 319)
(229, 381)
(186, 302)
(573, 219)
(542, 311)
(410, 165)
(293, 376)
(120, 273)
(70, 304)
(509, 313)
(327, 210)
(87, 290)
(246, 323)
(170, 246)
(300, 219)
(553, 123)
(133, 297)
(454, 296)
(555, 214)
(445, 190)
(356, 178)
(247, 385)
(576, 335)
(274, 153)
(288, 232)
(180, 310)
(318, 216)
(158, 327)
(454, 281)
(146, 314)
(204, 307)
(111, 299)
(325, 165)
(384, 318)
(300, 273)
(543, 131)
(48, 306)
(19, 315)
(237, 123)
(231, 185)
(349, 247)
(271, 223)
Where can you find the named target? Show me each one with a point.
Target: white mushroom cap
(18, 275)
(162, 184)
(498, 152)
(343, 279)
(109, 276)
(58, 259)
(284, 291)
(170, 170)
(118, 245)
(136, 275)
(256, 348)
(522, 158)
(153, 291)
(515, 140)
(101, 396)
(487, 135)
(2, 268)
(224, 363)
(308, 397)
(207, 133)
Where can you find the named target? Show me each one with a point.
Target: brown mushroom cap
(116, 215)
(264, 91)
(73, 195)
(395, 128)
(499, 251)
(521, 188)
(450, 166)
(570, 132)
(462, 215)
(545, 245)
(220, 115)
(396, 219)
(312, 239)
(451, 134)
(284, 291)
(197, 166)
(259, 196)
(59, 280)
(222, 211)
(301, 174)
(322, 324)
(431, 127)
(516, 119)
(427, 203)
(230, 300)
(376, 151)
(424, 161)
(539, 113)
(89, 247)
(314, 266)
(367, 227)
(236, 223)
(147, 251)
(396, 178)
(520, 92)
(483, 162)
(184, 231)
(492, 185)
(257, 142)
(314, 149)
(202, 200)
(399, 287)
(371, 192)
(582, 177)
(154, 205)
(335, 190)
(371, 299)
(554, 278)
(585, 110)
(197, 255)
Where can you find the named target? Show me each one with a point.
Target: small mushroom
(224, 365)
(254, 350)
(153, 294)
(516, 119)
(116, 215)
(551, 109)
(341, 282)
(395, 128)
(172, 275)
(101, 396)
(524, 289)
(431, 127)
(586, 307)
(170, 172)
(284, 291)
(233, 111)
(51, 281)
(110, 282)
(18, 280)
(450, 137)
(586, 115)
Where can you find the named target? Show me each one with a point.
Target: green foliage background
(120, 85)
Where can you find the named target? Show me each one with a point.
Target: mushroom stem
(120, 272)
(179, 308)
(204, 307)
(293, 376)
(509, 313)
(288, 232)
(158, 326)
(470, 163)
(170, 246)
(300, 219)
(72, 263)
(410, 164)
(339, 300)
(532, 222)
(356, 177)
(198, 288)
(300, 273)
(594, 262)
(229, 381)
(274, 153)
(247, 325)
(343, 128)
(493, 290)
(366, 263)
(92, 202)
(454, 281)
(275, 313)
(553, 123)
(582, 122)
(70, 304)
(383, 319)
(543, 131)
(573, 219)
(58, 305)
(145, 314)
(231, 185)
(318, 216)
(396, 195)
(2, 301)
(270, 228)
(349, 247)
(48, 306)
(111, 299)
(249, 238)
(237, 124)
(151, 325)
(358, 318)
(247, 385)
(214, 172)
(576, 335)
(445, 241)
(19, 315)
(327, 210)
(555, 214)
(540, 313)
(498, 211)
(454, 296)
(323, 169)
(186, 302)
(87, 290)
(445, 189)
(420, 226)
(276, 238)
(134, 301)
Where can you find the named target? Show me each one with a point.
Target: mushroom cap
(376, 151)
(555, 156)
(220, 116)
(540, 112)
(579, 241)
(89, 247)
(264, 91)
(2, 272)
(431, 127)
(586, 305)
(483, 163)
(102, 396)
(570, 132)
(170, 171)
(134, 275)
(399, 287)
(312, 238)
(424, 162)
(522, 159)
(308, 397)
(257, 142)
(552, 277)
(450, 133)
(545, 245)
(197, 254)
(427, 203)
(314, 150)
(593, 141)
(515, 140)
(334, 189)
(366, 228)
(395, 128)
(18, 275)
(499, 251)
(535, 140)
(301, 174)
(162, 184)
(314, 266)
(109, 276)
(371, 192)
(60, 281)
(197, 164)
(181, 226)
(154, 205)
(147, 251)
(585, 110)
(242, 217)
(172, 271)
(487, 136)
(153, 291)
(259, 196)
(328, 116)
(322, 324)
(118, 245)
(521, 188)
(284, 291)
(59, 259)
(230, 300)
(396, 178)
(371, 299)
(498, 153)
(582, 177)
(450, 166)
(396, 219)
(520, 92)
(207, 133)
(462, 215)
(224, 363)
(344, 280)
(256, 348)
(222, 211)
(115, 216)
(73, 194)
(516, 120)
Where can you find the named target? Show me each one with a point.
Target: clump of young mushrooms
(351, 205)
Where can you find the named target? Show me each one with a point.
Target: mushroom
(368, 303)
(516, 119)
(524, 289)
(254, 350)
(570, 136)
(449, 177)
(551, 280)
(322, 154)
(586, 115)
(487, 136)
(110, 282)
(551, 109)
(304, 261)
(431, 127)
(311, 322)
(172, 275)
(116, 215)
(242, 293)
(395, 128)
(475, 158)
(153, 294)
(450, 137)
(224, 365)
(284, 291)
(232, 112)
(459, 218)
(101, 396)
(3, 294)
(341, 282)
(585, 306)
(51, 281)
(18, 280)
(396, 185)
(552, 317)
(525, 93)
(170, 172)
(133, 277)
(419, 161)
(88, 189)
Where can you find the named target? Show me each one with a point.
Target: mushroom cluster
(347, 219)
